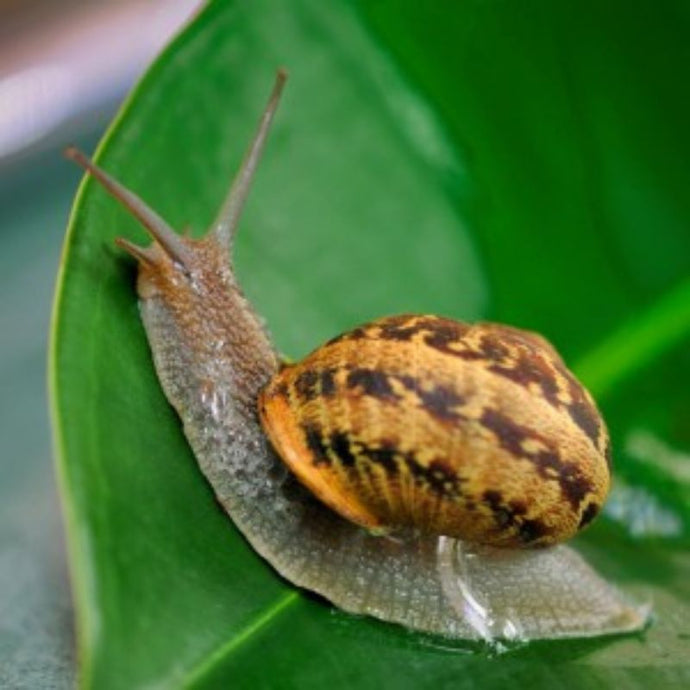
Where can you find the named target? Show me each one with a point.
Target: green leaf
(523, 162)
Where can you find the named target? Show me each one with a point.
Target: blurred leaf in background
(515, 161)
(49, 95)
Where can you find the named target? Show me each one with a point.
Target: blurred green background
(516, 161)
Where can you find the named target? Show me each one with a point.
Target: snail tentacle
(225, 225)
(164, 235)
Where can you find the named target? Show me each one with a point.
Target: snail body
(384, 469)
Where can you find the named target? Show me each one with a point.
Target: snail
(416, 469)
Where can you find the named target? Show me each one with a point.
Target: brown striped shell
(477, 432)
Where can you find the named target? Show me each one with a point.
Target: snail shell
(475, 432)
(213, 358)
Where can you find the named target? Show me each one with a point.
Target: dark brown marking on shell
(306, 384)
(510, 435)
(574, 486)
(436, 477)
(493, 349)
(372, 382)
(583, 411)
(340, 444)
(521, 338)
(440, 477)
(440, 323)
(503, 516)
(384, 456)
(397, 329)
(587, 418)
(511, 516)
(441, 335)
(313, 437)
(531, 368)
(589, 513)
(533, 530)
(312, 383)
(438, 401)
(608, 453)
(327, 380)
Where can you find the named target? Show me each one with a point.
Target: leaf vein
(243, 636)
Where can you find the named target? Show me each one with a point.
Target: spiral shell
(416, 421)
